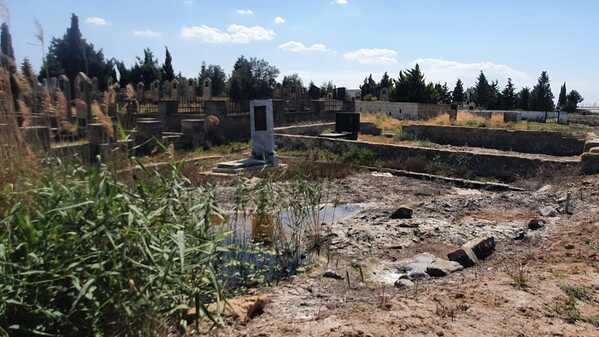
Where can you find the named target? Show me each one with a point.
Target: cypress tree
(524, 99)
(563, 97)
(508, 96)
(168, 73)
(27, 71)
(541, 95)
(482, 91)
(6, 41)
(458, 92)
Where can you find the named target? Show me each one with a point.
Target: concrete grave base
(245, 165)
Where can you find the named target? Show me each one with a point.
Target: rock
(408, 225)
(536, 224)
(520, 235)
(332, 274)
(403, 283)
(442, 268)
(548, 211)
(402, 213)
(569, 246)
(594, 150)
(471, 252)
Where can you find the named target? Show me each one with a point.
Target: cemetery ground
(372, 258)
(540, 281)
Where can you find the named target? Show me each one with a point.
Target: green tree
(541, 97)
(217, 77)
(252, 79)
(524, 99)
(411, 86)
(482, 91)
(72, 54)
(368, 88)
(145, 70)
(508, 96)
(314, 91)
(563, 97)
(168, 73)
(27, 71)
(458, 93)
(572, 100)
(6, 41)
(292, 84)
(386, 82)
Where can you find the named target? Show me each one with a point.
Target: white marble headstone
(262, 123)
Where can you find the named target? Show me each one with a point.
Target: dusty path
(517, 292)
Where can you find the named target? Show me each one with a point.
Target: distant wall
(592, 120)
(404, 110)
(490, 165)
(542, 142)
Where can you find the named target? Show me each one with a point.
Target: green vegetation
(568, 309)
(87, 252)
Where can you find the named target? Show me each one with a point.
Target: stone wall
(541, 142)
(592, 120)
(487, 165)
(404, 110)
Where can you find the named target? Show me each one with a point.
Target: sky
(340, 40)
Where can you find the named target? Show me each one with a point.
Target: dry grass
(102, 118)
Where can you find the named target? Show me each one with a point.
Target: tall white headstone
(262, 124)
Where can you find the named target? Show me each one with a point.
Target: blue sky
(341, 40)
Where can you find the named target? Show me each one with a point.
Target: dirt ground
(521, 290)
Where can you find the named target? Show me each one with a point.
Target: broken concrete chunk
(548, 211)
(403, 283)
(536, 224)
(471, 252)
(463, 256)
(402, 213)
(442, 268)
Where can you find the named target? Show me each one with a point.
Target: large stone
(594, 150)
(403, 283)
(471, 252)
(442, 268)
(402, 213)
(548, 211)
(332, 274)
(536, 224)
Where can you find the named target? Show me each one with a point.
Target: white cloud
(439, 70)
(234, 34)
(279, 20)
(147, 34)
(96, 21)
(245, 12)
(341, 2)
(298, 47)
(372, 56)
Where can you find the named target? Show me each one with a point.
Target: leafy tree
(369, 88)
(541, 97)
(411, 86)
(458, 93)
(508, 96)
(524, 99)
(27, 71)
(482, 91)
(443, 96)
(563, 97)
(572, 101)
(386, 82)
(292, 83)
(145, 70)
(313, 91)
(328, 88)
(6, 41)
(168, 73)
(72, 54)
(217, 77)
(252, 79)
